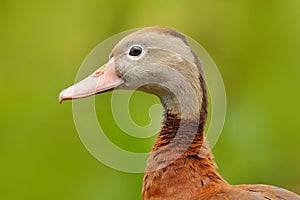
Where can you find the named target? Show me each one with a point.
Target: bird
(159, 60)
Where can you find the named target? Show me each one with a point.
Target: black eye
(135, 51)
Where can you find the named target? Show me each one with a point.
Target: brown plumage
(158, 60)
(193, 175)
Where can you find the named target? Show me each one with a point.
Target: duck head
(155, 60)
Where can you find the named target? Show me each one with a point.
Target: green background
(256, 45)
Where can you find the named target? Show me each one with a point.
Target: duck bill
(103, 79)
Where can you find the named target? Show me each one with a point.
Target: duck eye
(135, 51)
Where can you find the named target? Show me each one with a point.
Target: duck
(181, 166)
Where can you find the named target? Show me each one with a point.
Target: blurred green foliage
(42, 44)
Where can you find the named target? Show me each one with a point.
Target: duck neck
(180, 162)
(182, 133)
(185, 134)
(179, 138)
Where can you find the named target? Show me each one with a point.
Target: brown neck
(180, 162)
(179, 136)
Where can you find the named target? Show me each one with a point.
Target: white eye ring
(135, 52)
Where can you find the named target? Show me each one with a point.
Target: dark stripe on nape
(202, 81)
(177, 34)
(184, 39)
(203, 111)
(198, 63)
(203, 114)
